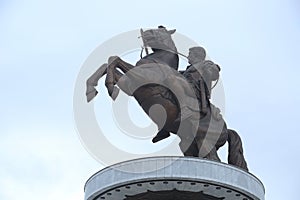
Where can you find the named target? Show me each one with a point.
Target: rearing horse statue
(151, 81)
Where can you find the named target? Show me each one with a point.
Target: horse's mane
(162, 57)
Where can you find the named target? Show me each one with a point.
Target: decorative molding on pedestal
(173, 178)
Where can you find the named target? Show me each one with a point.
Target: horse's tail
(235, 151)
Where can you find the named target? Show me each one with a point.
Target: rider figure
(199, 74)
(207, 69)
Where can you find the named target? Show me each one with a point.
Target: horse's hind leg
(192, 150)
(212, 155)
(188, 144)
(235, 152)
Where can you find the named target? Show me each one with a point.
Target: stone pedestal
(173, 178)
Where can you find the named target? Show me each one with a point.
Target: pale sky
(43, 45)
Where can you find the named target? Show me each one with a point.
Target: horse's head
(159, 39)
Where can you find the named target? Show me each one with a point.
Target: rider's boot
(162, 134)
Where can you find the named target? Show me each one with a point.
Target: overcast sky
(43, 45)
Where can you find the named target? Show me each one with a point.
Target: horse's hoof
(91, 95)
(115, 93)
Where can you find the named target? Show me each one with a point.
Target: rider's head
(196, 54)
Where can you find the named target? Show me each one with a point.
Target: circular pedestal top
(172, 178)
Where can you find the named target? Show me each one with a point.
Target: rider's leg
(185, 95)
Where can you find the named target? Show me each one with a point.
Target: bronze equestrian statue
(185, 96)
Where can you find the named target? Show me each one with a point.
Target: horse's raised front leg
(92, 82)
(113, 75)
